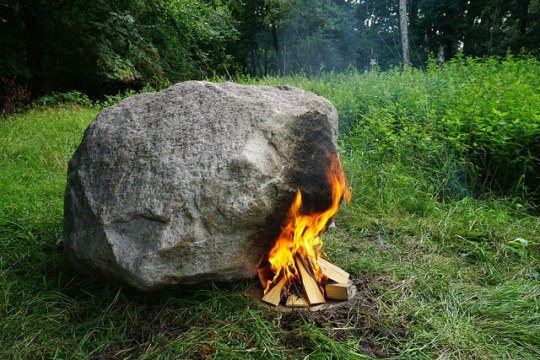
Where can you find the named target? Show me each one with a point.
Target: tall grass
(446, 267)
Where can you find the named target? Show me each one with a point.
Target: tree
(101, 47)
(300, 36)
(404, 27)
(378, 32)
(318, 35)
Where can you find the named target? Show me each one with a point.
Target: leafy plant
(468, 128)
(13, 95)
(65, 98)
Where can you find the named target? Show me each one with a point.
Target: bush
(468, 128)
(65, 98)
(110, 100)
(493, 120)
(13, 95)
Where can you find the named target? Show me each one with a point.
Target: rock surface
(191, 184)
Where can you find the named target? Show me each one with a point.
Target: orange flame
(300, 233)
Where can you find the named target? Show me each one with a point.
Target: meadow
(442, 236)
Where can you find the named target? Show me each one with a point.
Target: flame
(300, 233)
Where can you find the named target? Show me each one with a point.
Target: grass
(454, 277)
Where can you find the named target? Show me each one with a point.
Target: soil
(359, 318)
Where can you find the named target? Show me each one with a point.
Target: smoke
(311, 36)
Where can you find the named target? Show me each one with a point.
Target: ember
(296, 274)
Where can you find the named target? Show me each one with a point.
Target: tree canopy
(101, 47)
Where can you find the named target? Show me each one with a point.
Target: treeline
(101, 47)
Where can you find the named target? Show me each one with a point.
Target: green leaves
(484, 113)
(101, 47)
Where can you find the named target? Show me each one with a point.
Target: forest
(102, 47)
(442, 156)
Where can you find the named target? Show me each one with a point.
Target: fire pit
(293, 273)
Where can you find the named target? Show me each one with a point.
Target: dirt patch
(360, 318)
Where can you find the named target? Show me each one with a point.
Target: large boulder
(191, 184)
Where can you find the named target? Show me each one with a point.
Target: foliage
(13, 95)
(316, 35)
(190, 36)
(470, 127)
(103, 47)
(337, 34)
(67, 98)
(498, 124)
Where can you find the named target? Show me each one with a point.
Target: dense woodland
(101, 47)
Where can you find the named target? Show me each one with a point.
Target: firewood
(265, 275)
(333, 272)
(311, 288)
(339, 291)
(295, 301)
(273, 297)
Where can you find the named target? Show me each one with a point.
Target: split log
(273, 297)
(333, 272)
(340, 291)
(311, 288)
(295, 301)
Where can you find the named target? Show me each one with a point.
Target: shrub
(468, 128)
(64, 98)
(13, 95)
(110, 100)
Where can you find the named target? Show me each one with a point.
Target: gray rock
(191, 184)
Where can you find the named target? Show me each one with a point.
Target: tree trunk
(440, 55)
(277, 49)
(32, 43)
(265, 62)
(404, 27)
(372, 60)
(448, 49)
(473, 12)
(523, 13)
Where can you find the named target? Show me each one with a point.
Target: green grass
(444, 271)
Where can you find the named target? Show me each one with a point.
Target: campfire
(295, 274)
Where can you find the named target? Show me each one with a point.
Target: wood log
(295, 301)
(340, 291)
(333, 272)
(311, 288)
(273, 297)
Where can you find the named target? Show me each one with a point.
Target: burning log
(311, 288)
(273, 297)
(265, 275)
